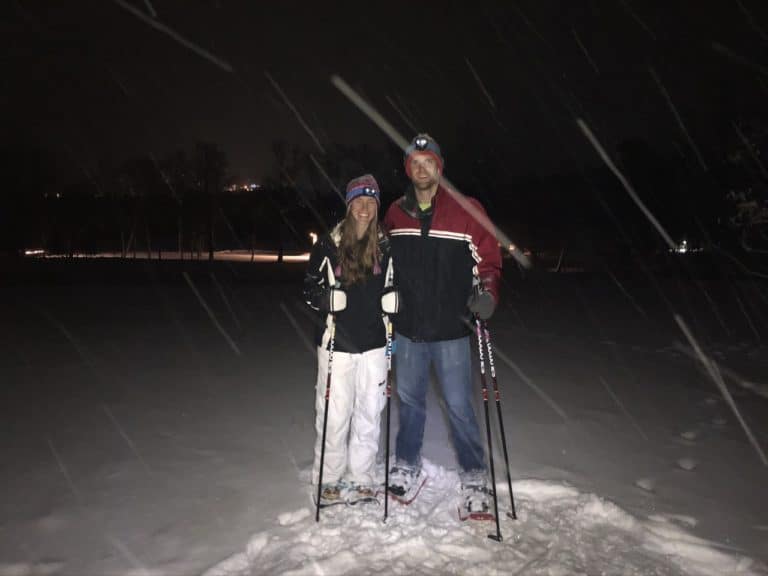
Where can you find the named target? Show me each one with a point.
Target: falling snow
(157, 417)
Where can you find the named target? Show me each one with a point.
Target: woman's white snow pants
(357, 397)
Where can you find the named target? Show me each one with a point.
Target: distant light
(35, 252)
(313, 237)
(682, 248)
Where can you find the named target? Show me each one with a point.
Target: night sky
(503, 82)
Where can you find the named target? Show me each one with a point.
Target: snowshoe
(331, 495)
(405, 482)
(475, 503)
(362, 494)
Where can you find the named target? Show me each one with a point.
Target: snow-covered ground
(140, 435)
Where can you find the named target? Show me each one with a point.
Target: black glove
(390, 301)
(481, 304)
(332, 300)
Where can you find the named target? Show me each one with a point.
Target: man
(448, 266)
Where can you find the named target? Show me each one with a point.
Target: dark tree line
(175, 203)
(183, 202)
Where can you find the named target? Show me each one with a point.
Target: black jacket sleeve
(316, 276)
(385, 258)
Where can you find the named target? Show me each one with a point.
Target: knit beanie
(425, 144)
(365, 185)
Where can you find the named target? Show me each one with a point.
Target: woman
(348, 280)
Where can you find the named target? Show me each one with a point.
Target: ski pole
(389, 402)
(484, 386)
(325, 415)
(497, 395)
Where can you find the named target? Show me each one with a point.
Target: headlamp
(365, 191)
(421, 143)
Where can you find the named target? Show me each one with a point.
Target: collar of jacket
(336, 234)
(410, 205)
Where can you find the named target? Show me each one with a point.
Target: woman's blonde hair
(358, 258)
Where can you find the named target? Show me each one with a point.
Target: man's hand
(481, 304)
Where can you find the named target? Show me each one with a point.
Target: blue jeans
(453, 367)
